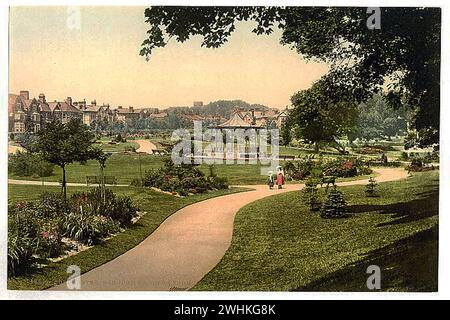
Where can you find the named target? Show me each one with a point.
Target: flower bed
(342, 168)
(181, 180)
(52, 227)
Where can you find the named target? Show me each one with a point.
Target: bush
(51, 205)
(334, 206)
(118, 208)
(25, 164)
(370, 188)
(311, 194)
(182, 179)
(340, 168)
(23, 232)
(88, 228)
(129, 149)
(49, 240)
(20, 251)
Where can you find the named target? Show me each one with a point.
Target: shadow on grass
(410, 264)
(404, 212)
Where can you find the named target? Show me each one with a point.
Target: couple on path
(279, 179)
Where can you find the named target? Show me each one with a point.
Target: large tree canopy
(377, 121)
(62, 144)
(318, 119)
(402, 58)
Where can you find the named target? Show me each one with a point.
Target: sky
(100, 60)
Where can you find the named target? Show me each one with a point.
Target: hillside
(220, 107)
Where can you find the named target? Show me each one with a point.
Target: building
(236, 121)
(64, 110)
(259, 117)
(27, 115)
(126, 114)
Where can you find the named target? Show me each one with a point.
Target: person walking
(270, 180)
(280, 178)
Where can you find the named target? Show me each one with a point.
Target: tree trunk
(64, 188)
(316, 147)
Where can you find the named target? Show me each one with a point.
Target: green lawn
(158, 206)
(125, 167)
(117, 147)
(279, 245)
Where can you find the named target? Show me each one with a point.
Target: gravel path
(145, 146)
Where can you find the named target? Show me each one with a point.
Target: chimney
(131, 109)
(119, 107)
(25, 94)
(42, 98)
(93, 102)
(69, 100)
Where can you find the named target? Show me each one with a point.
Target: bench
(286, 157)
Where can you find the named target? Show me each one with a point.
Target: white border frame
(444, 221)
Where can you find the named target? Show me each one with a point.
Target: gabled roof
(63, 106)
(44, 107)
(236, 121)
(27, 103)
(91, 108)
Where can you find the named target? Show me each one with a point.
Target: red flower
(347, 165)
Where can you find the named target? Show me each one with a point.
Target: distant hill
(220, 107)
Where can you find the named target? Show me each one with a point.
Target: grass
(126, 167)
(279, 245)
(117, 147)
(158, 206)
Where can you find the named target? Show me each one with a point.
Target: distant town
(30, 114)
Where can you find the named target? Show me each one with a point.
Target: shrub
(311, 194)
(51, 205)
(219, 183)
(129, 149)
(182, 179)
(23, 230)
(20, 253)
(49, 240)
(88, 228)
(340, 168)
(118, 208)
(334, 206)
(363, 170)
(25, 164)
(370, 188)
(122, 210)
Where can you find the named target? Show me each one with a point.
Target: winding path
(145, 146)
(187, 245)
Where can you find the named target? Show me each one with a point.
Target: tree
(318, 118)
(405, 51)
(286, 136)
(62, 144)
(377, 120)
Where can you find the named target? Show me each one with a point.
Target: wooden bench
(286, 157)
